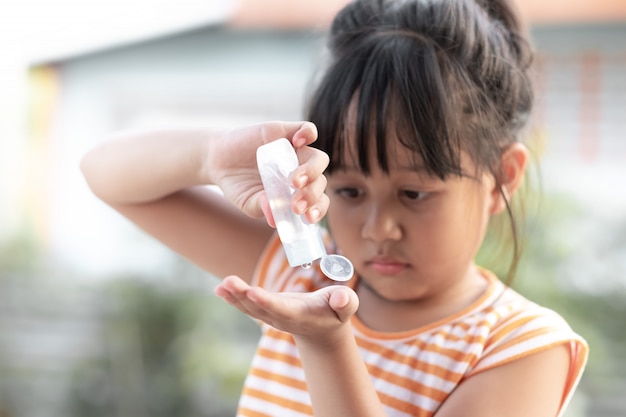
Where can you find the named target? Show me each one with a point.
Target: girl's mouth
(385, 266)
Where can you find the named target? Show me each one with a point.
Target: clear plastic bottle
(301, 240)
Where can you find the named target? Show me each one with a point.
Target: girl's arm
(530, 386)
(337, 379)
(156, 179)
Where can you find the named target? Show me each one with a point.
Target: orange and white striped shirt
(414, 371)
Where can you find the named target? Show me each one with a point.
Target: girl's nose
(381, 224)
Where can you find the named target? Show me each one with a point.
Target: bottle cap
(337, 267)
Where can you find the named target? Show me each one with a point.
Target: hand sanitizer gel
(301, 240)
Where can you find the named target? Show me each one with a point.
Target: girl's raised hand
(231, 165)
(312, 316)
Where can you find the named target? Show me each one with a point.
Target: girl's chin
(389, 293)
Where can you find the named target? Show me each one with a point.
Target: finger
(261, 298)
(274, 309)
(229, 287)
(253, 301)
(344, 302)
(304, 133)
(226, 287)
(267, 211)
(316, 212)
(313, 209)
(313, 163)
(309, 195)
(285, 311)
(233, 290)
(272, 305)
(300, 133)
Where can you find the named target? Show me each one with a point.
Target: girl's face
(410, 236)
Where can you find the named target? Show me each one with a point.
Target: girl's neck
(390, 316)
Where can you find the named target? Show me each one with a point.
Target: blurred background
(96, 319)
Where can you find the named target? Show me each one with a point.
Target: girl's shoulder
(504, 310)
(510, 326)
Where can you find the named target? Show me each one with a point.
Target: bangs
(392, 87)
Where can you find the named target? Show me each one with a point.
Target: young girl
(419, 110)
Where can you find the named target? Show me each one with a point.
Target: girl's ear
(512, 169)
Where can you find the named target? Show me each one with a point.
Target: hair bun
(353, 22)
(503, 11)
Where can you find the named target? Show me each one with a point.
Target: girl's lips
(387, 267)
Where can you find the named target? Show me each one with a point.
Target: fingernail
(302, 180)
(301, 206)
(300, 142)
(314, 213)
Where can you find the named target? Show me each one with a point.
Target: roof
(61, 30)
(290, 13)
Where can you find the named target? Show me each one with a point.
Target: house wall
(213, 76)
(581, 110)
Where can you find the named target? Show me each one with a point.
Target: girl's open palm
(310, 315)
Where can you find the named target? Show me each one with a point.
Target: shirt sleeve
(530, 331)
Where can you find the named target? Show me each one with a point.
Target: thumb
(344, 302)
(267, 211)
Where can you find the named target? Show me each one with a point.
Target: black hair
(444, 77)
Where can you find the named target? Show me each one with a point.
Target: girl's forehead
(359, 136)
(370, 135)
(398, 156)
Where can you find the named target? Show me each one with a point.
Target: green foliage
(170, 352)
(21, 253)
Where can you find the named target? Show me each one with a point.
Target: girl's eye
(349, 193)
(414, 195)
